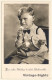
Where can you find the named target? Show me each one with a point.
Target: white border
(50, 39)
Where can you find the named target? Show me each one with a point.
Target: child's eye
(25, 18)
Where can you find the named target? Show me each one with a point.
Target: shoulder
(41, 34)
(40, 31)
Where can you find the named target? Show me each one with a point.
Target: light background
(11, 22)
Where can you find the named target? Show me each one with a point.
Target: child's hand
(21, 53)
(32, 53)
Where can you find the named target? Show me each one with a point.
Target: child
(31, 40)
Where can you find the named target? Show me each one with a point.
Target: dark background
(11, 22)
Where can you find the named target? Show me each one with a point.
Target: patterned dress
(31, 45)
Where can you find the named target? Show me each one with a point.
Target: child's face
(27, 20)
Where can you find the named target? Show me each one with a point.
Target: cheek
(29, 21)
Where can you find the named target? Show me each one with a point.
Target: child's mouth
(25, 27)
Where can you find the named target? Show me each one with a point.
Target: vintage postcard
(26, 40)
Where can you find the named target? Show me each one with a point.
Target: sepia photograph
(26, 42)
(26, 33)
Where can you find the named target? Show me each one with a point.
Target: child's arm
(39, 39)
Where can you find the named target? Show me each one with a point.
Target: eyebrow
(23, 18)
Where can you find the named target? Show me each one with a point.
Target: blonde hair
(25, 10)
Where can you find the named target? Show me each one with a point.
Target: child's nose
(23, 21)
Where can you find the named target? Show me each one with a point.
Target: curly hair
(25, 10)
